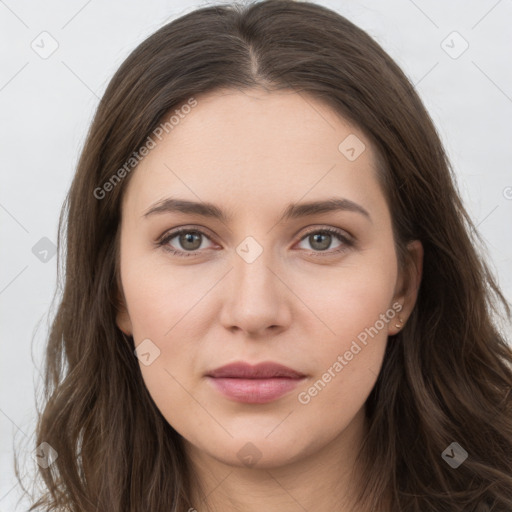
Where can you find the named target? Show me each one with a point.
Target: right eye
(189, 239)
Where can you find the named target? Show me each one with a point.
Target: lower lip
(254, 391)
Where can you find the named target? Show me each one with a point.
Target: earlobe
(123, 322)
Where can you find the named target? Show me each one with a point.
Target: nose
(256, 300)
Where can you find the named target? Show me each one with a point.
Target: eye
(321, 239)
(190, 241)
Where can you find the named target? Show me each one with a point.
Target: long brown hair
(446, 377)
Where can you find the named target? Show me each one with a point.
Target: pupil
(189, 238)
(324, 245)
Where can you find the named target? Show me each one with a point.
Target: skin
(252, 153)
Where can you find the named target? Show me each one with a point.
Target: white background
(46, 106)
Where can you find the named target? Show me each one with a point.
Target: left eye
(323, 238)
(190, 241)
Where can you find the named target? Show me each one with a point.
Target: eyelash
(167, 237)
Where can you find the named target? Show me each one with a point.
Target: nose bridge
(252, 275)
(252, 262)
(256, 295)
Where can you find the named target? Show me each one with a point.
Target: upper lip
(265, 370)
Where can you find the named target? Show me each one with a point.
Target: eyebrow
(292, 211)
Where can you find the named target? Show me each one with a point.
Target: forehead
(259, 146)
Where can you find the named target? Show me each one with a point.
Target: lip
(256, 384)
(265, 370)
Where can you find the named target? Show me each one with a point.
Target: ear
(122, 316)
(408, 285)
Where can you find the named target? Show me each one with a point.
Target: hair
(447, 376)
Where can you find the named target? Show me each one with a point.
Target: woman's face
(257, 285)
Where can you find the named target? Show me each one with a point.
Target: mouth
(262, 383)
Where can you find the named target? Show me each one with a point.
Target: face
(317, 291)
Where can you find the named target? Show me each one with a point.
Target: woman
(272, 296)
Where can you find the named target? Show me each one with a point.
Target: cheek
(160, 303)
(162, 310)
(355, 309)
(159, 297)
(346, 364)
(345, 300)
